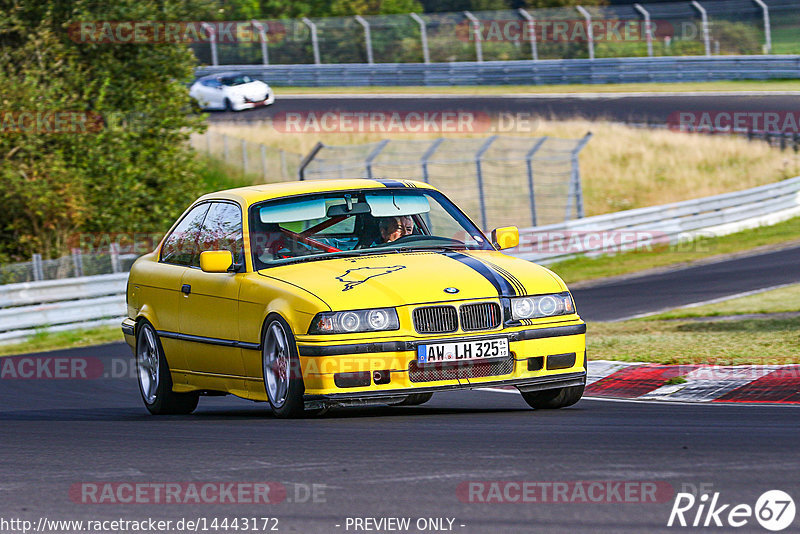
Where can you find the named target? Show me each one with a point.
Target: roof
(216, 75)
(256, 193)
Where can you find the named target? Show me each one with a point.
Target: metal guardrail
(527, 72)
(54, 305)
(58, 305)
(665, 224)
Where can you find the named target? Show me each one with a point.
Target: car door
(210, 307)
(161, 288)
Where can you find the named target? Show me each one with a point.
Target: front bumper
(388, 397)
(539, 357)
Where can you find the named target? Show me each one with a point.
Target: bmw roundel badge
(451, 290)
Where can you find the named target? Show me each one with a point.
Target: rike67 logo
(774, 510)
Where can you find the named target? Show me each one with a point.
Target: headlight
(348, 322)
(541, 306)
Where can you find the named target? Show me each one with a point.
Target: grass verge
(767, 341)
(743, 85)
(676, 338)
(584, 269)
(47, 341)
(781, 300)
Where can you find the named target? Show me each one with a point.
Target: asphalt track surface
(646, 294)
(650, 107)
(400, 462)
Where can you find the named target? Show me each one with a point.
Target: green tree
(134, 172)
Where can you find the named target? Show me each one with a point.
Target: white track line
(704, 302)
(669, 403)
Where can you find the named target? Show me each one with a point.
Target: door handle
(186, 289)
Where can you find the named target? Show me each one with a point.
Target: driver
(393, 228)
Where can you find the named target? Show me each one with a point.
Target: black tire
(552, 399)
(415, 399)
(228, 105)
(159, 400)
(280, 367)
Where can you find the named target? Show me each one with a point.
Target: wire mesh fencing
(498, 180)
(255, 160)
(648, 29)
(107, 261)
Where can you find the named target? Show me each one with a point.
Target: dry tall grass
(621, 167)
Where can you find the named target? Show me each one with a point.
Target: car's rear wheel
(155, 381)
(550, 399)
(415, 399)
(283, 377)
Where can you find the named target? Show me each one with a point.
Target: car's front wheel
(283, 377)
(155, 381)
(551, 399)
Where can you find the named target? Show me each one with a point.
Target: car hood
(395, 279)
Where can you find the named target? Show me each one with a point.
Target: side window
(222, 230)
(180, 247)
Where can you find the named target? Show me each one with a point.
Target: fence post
(767, 27)
(116, 265)
(77, 261)
(648, 28)
(575, 177)
(314, 40)
(427, 155)
(212, 38)
(262, 36)
(301, 170)
(589, 31)
(529, 166)
(373, 155)
(476, 32)
(38, 270)
(225, 150)
(264, 162)
(704, 22)
(531, 32)
(367, 37)
(478, 157)
(423, 35)
(244, 156)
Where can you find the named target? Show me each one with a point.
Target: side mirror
(505, 237)
(216, 261)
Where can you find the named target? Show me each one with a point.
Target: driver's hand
(394, 236)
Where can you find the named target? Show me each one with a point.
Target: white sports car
(231, 91)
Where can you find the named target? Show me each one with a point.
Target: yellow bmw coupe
(315, 294)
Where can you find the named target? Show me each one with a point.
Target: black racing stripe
(514, 280)
(518, 287)
(503, 286)
(390, 183)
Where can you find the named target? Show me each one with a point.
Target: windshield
(236, 80)
(323, 225)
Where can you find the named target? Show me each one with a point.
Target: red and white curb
(703, 383)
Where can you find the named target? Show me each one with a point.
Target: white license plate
(463, 351)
